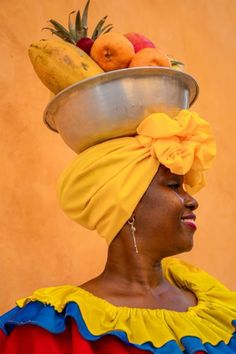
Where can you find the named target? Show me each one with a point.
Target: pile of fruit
(62, 62)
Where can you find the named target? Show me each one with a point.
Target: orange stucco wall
(39, 245)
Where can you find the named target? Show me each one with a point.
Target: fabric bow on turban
(102, 186)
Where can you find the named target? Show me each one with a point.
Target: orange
(150, 57)
(112, 51)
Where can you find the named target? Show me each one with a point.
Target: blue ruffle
(45, 316)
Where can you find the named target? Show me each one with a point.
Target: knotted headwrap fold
(102, 186)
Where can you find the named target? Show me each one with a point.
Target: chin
(184, 247)
(187, 247)
(187, 242)
(179, 249)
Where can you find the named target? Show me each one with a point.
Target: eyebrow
(169, 174)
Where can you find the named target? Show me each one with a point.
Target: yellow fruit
(59, 64)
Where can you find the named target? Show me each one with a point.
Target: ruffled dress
(69, 320)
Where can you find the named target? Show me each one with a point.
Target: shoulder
(184, 273)
(29, 336)
(40, 324)
(56, 296)
(43, 308)
(50, 308)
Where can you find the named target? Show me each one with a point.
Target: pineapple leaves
(59, 34)
(176, 62)
(61, 31)
(71, 27)
(78, 28)
(58, 26)
(84, 19)
(105, 29)
(98, 29)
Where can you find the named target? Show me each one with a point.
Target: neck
(131, 270)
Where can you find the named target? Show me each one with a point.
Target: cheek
(181, 199)
(162, 206)
(170, 209)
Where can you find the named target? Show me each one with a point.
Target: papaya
(60, 64)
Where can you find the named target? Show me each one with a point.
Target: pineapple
(77, 33)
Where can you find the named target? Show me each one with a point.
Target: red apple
(85, 44)
(139, 41)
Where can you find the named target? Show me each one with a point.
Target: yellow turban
(102, 186)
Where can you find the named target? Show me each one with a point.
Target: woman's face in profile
(165, 221)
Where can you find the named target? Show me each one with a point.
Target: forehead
(164, 172)
(162, 176)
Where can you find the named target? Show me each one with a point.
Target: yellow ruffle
(210, 320)
(102, 186)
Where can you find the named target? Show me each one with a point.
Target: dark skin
(136, 280)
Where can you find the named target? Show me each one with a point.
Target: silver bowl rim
(116, 74)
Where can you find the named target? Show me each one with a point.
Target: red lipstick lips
(189, 221)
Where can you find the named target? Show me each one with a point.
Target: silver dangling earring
(133, 229)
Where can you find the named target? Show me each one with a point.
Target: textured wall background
(39, 245)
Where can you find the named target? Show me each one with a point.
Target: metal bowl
(112, 104)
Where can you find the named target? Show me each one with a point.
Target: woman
(135, 191)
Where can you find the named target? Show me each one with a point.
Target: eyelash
(174, 186)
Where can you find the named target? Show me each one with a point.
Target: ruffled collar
(212, 320)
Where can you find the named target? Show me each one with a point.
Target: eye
(174, 185)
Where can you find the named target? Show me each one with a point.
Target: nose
(190, 202)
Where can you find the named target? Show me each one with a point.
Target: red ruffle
(29, 339)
